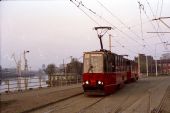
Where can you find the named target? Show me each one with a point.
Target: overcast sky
(53, 30)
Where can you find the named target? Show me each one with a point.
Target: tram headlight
(100, 82)
(87, 82)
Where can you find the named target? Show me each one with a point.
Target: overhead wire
(119, 20)
(153, 25)
(85, 13)
(159, 36)
(109, 22)
(122, 24)
(78, 6)
(154, 15)
(124, 47)
(141, 6)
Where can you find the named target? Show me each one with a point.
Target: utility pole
(110, 45)
(26, 62)
(25, 68)
(139, 65)
(64, 72)
(156, 65)
(147, 65)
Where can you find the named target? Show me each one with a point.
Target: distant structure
(150, 62)
(164, 64)
(0, 68)
(75, 66)
(165, 56)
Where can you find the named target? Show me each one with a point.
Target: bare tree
(50, 70)
(75, 66)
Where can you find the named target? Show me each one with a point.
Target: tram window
(118, 61)
(86, 62)
(113, 63)
(105, 64)
(93, 63)
(97, 62)
(128, 65)
(109, 63)
(121, 64)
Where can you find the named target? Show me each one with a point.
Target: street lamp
(25, 61)
(156, 67)
(26, 68)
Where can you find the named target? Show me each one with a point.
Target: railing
(23, 83)
(62, 80)
(29, 83)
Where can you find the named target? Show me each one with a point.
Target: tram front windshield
(93, 63)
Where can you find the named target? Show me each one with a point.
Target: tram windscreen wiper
(90, 68)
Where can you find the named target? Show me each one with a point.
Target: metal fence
(28, 83)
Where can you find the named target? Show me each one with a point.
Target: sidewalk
(22, 101)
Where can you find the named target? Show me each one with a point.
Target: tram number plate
(96, 55)
(93, 81)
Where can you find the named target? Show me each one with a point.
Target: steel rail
(159, 108)
(51, 103)
(89, 106)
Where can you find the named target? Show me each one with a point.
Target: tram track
(68, 104)
(127, 102)
(118, 104)
(144, 98)
(130, 98)
(121, 101)
(164, 103)
(51, 103)
(148, 99)
(86, 108)
(57, 108)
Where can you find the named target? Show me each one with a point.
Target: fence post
(40, 80)
(19, 83)
(8, 85)
(77, 78)
(26, 83)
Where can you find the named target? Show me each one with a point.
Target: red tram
(105, 71)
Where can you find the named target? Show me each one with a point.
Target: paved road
(139, 97)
